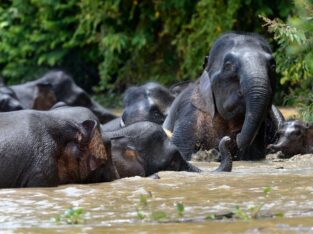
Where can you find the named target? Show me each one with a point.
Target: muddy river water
(145, 205)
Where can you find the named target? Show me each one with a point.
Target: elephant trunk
(226, 157)
(258, 96)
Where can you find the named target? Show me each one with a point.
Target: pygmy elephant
(294, 137)
(49, 148)
(149, 102)
(64, 89)
(232, 98)
(143, 148)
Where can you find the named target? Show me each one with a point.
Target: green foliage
(253, 212)
(294, 55)
(145, 211)
(180, 208)
(71, 216)
(115, 43)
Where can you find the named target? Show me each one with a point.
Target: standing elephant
(143, 148)
(232, 98)
(64, 89)
(49, 148)
(294, 137)
(149, 102)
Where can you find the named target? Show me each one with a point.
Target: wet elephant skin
(49, 148)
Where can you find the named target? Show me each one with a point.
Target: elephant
(50, 148)
(8, 99)
(64, 89)
(113, 125)
(294, 137)
(143, 149)
(44, 97)
(177, 88)
(149, 102)
(232, 97)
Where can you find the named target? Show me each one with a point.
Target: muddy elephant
(49, 148)
(232, 98)
(294, 137)
(64, 89)
(143, 148)
(149, 102)
(8, 99)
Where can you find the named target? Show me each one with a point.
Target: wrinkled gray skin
(294, 137)
(143, 149)
(65, 90)
(232, 98)
(149, 102)
(8, 99)
(113, 125)
(33, 141)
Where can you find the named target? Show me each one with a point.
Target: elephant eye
(228, 66)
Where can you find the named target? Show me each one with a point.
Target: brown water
(111, 207)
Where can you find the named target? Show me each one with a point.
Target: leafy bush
(294, 55)
(115, 43)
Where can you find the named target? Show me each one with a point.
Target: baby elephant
(294, 137)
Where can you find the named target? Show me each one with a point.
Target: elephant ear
(91, 140)
(44, 97)
(202, 97)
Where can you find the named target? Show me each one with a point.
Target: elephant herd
(53, 133)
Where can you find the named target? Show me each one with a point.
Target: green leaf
(180, 208)
(158, 215)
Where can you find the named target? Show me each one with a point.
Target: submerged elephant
(64, 89)
(294, 137)
(49, 148)
(149, 102)
(143, 148)
(232, 98)
(8, 99)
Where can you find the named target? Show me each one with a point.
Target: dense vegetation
(111, 44)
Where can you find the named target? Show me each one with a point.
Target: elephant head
(143, 149)
(238, 83)
(149, 102)
(294, 137)
(8, 99)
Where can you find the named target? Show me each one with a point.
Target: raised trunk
(226, 157)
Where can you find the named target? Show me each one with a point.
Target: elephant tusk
(122, 124)
(168, 133)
